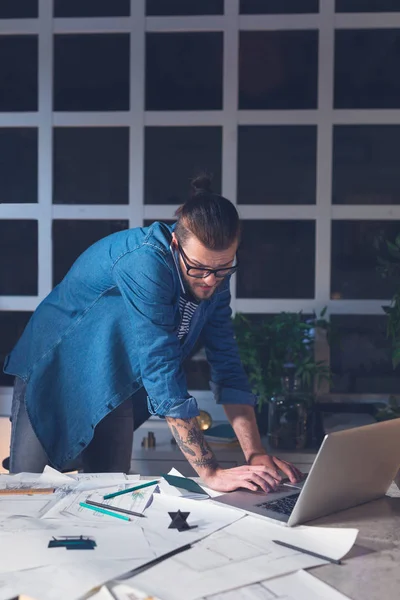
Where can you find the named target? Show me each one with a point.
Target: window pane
(184, 71)
(277, 259)
(91, 165)
(356, 246)
(19, 73)
(357, 6)
(18, 165)
(12, 325)
(184, 7)
(148, 222)
(278, 7)
(366, 164)
(361, 356)
(92, 8)
(18, 257)
(18, 9)
(277, 164)
(71, 238)
(174, 155)
(197, 371)
(366, 68)
(91, 72)
(278, 69)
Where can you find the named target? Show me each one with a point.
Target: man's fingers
(290, 470)
(248, 485)
(266, 482)
(261, 469)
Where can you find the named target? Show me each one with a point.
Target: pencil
(321, 556)
(26, 491)
(104, 511)
(115, 508)
(132, 489)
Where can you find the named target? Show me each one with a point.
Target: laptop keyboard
(283, 505)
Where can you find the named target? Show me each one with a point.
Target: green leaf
(394, 250)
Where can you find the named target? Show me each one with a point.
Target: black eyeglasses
(202, 272)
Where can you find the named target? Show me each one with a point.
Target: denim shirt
(109, 328)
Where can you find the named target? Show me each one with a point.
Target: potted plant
(278, 355)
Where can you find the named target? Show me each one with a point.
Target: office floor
(5, 432)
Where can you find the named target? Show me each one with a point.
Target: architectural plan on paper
(69, 504)
(296, 586)
(239, 555)
(68, 581)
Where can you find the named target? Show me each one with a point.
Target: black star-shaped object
(178, 521)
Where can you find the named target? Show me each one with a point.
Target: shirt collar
(175, 256)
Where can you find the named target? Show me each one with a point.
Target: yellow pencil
(27, 491)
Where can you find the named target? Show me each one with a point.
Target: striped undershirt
(187, 309)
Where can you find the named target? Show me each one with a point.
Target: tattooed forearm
(184, 447)
(190, 440)
(206, 462)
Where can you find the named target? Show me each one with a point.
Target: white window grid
(229, 118)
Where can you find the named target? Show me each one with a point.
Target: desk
(371, 571)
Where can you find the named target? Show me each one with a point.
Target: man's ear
(174, 241)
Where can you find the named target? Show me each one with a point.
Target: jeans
(109, 451)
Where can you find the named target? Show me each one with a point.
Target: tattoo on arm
(184, 447)
(190, 440)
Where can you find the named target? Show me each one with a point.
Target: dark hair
(211, 218)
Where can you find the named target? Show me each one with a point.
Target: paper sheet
(64, 582)
(20, 551)
(296, 586)
(69, 505)
(172, 490)
(239, 555)
(92, 481)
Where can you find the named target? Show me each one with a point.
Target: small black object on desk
(73, 543)
(179, 521)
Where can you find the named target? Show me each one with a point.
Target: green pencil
(104, 511)
(132, 489)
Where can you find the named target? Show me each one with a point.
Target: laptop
(352, 467)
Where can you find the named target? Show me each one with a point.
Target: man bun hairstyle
(211, 218)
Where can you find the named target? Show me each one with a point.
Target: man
(122, 320)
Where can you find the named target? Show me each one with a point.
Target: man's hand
(250, 477)
(273, 465)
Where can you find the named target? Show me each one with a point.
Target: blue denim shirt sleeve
(146, 283)
(229, 381)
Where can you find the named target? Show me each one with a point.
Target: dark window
(278, 7)
(174, 155)
(148, 222)
(18, 257)
(12, 325)
(361, 356)
(366, 164)
(92, 8)
(366, 68)
(18, 165)
(18, 9)
(356, 247)
(18, 73)
(91, 165)
(71, 238)
(184, 7)
(197, 371)
(369, 6)
(91, 72)
(183, 71)
(278, 69)
(277, 164)
(277, 259)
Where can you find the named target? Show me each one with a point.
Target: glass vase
(288, 416)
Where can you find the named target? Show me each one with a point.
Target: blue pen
(104, 511)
